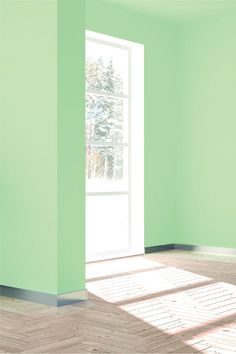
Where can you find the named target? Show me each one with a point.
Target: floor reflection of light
(131, 286)
(190, 308)
(187, 309)
(217, 340)
(116, 266)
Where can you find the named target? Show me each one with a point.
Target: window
(111, 139)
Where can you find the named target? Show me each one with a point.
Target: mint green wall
(71, 146)
(190, 145)
(206, 126)
(42, 145)
(190, 127)
(28, 144)
(159, 44)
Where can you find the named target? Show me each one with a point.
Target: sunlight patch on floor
(121, 288)
(188, 309)
(115, 266)
(217, 340)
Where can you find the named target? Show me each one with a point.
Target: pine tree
(104, 120)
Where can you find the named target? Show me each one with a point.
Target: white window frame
(135, 143)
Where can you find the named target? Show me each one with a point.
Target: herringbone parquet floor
(168, 302)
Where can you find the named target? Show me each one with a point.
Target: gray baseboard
(207, 249)
(43, 298)
(186, 247)
(160, 248)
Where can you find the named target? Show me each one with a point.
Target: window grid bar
(108, 43)
(106, 144)
(107, 193)
(106, 94)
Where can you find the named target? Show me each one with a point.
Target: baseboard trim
(43, 298)
(160, 248)
(186, 247)
(71, 298)
(207, 249)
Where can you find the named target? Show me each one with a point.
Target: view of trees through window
(106, 121)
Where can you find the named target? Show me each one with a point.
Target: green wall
(71, 146)
(42, 145)
(28, 152)
(159, 41)
(206, 126)
(190, 140)
(190, 145)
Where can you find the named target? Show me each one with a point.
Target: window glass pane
(106, 223)
(106, 68)
(106, 119)
(106, 168)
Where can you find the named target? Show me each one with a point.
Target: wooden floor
(167, 302)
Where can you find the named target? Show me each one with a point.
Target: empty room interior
(118, 176)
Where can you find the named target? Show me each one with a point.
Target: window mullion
(107, 144)
(106, 94)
